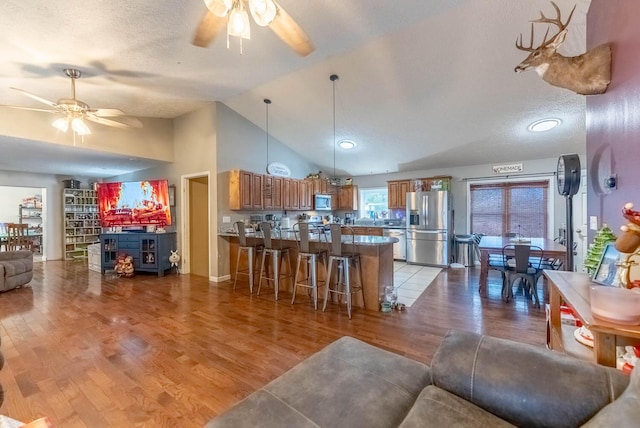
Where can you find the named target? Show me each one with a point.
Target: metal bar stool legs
(250, 272)
(251, 250)
(311, 278)
(343, 286)
(277, 262)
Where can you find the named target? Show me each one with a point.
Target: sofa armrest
(524, 384)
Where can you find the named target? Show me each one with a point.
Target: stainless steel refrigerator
(429, 219)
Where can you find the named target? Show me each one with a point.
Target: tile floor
(412, 280)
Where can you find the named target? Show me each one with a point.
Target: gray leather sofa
(473, 381)
(16, 269)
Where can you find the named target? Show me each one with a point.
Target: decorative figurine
(174, 258)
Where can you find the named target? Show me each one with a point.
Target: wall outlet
(226, 219)
(593, 222)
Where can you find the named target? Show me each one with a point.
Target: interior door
(199, 226)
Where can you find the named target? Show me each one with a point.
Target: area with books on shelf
(81, 222)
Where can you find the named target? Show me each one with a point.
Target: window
(509, 207)
(374, 203)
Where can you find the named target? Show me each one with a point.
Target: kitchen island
(376, 257)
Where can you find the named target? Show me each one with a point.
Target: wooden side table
(572, 289)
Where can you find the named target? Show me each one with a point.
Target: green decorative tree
(594, 254)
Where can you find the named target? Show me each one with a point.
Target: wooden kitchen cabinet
(291, 192)
(440, 182)
(398, 190)
(367, 231)
(348, 198)
(272, 193)
(245, 190)
(306, 194)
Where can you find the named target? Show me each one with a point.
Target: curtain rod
(494, 177)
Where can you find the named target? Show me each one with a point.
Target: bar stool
(251, 251)
(343, 262)
(277, 254)
(310, 259)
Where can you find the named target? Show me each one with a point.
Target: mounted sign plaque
(278, 169)
(507, 169)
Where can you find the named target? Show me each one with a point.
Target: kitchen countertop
(346, 239)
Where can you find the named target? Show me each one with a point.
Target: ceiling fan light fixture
(61, 124)
(238, 24)
(263, 11)
(79, 127)
(219, 7)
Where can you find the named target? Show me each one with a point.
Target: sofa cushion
(436, 407)
(623, 412)
(15, 267)
(524, 384)
(348, 383)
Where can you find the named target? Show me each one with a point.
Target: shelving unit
(81, 222)
(32, 216)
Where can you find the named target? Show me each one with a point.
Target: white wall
(11, 198)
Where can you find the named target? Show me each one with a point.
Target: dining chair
(520, 265)
(4, 236)
(17, 234)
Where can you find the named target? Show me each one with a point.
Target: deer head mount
(586, 74)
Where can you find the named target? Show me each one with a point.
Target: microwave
(322, 203)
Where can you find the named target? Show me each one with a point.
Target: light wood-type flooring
(88, 351)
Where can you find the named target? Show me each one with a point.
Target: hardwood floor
(175, 351)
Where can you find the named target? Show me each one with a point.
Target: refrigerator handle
(425, 209)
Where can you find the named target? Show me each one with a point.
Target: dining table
(494, 244)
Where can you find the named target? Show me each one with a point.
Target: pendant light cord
(267, 101)
(333, 78)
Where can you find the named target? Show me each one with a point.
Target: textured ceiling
(423, 83)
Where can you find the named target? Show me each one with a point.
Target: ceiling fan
(233, 14)
(74, 111)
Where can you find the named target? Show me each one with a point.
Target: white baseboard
(219, 278)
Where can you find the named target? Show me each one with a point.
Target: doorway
(27, 205)
(196, 224)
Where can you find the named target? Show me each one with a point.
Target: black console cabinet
(150, 251)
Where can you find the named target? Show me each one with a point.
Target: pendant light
(334, 181)
(267, 188)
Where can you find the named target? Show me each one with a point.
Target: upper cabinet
(272, 198)
(348, 198)
(306, 194)
(245, 190)
(251, 191)
(440, 182)
(398, 190)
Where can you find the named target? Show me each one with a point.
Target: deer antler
(544, 20)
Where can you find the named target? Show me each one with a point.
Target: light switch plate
(593, 222)
(226, 219)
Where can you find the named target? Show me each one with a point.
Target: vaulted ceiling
(423, 83)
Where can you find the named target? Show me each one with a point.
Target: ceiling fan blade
(135, 123)
(208, 28)
(291, 33)
(29, 108)
(107, 112)
(35, 97)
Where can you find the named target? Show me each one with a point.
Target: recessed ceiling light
(544, 125)
(347, 144)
